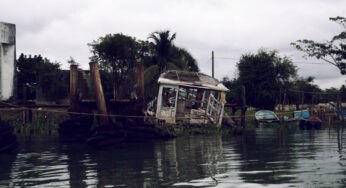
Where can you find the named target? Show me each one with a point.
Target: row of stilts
(106, 133)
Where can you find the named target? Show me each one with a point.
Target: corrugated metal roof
(192, 79)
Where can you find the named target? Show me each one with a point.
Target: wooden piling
(329, 121)
(140, 85)
(73, 87)
(212, 64)
(101, 104)
(24, 116)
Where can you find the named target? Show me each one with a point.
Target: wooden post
(243, 108)
(30, 115)
(212, 64)
(339, 109)
(302, 101)
(329, 121)
(140, 85)
(284, 102)
(101, 104)
(73, 87)
(233, 111)
(24, 116)
(280, 105)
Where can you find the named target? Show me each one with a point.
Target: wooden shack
(190, 98)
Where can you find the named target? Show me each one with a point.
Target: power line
(295, 62)
(310, 92)
(227, 58)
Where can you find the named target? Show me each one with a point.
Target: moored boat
(266, 116)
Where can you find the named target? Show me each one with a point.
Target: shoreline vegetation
(47, 123)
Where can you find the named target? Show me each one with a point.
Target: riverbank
(46, 122)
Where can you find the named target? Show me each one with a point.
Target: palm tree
(162, 48)
(166, 56)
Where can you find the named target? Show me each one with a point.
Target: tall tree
(263, 74)
(34, 73)
(332, 51)
(117, 53)
(163, 48)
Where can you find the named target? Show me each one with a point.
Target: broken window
(168, 97)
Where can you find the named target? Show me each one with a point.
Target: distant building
(7, 59)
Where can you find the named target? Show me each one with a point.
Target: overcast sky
(58, 29)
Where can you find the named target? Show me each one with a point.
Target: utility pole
(212, 64)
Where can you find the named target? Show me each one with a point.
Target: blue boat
(301, 114)
(306, 121)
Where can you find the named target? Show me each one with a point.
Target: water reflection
(6, 162)
(340, 132)
(77, 162)
(39, 163)
(265, 157)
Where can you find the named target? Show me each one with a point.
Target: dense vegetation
(34, 73)
(118, 54)
(269, 78)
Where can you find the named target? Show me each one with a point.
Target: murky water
(270, 157)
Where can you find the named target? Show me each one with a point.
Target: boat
(266, 116)
(306, 121)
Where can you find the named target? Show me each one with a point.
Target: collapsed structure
(190, 98)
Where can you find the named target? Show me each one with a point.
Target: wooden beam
(101, 104)
(140, 85)
(73, 87)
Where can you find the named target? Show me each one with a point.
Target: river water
(266, 157)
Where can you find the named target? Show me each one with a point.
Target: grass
(42, 123)
(193, 130)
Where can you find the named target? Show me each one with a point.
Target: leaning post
(73, 87)
(140, 85)
(101, 104)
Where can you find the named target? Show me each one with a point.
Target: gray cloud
(58, 29)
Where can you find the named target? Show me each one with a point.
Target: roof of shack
(191, 79)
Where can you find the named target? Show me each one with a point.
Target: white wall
(7, 59)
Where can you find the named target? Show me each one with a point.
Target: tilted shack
(190, 98)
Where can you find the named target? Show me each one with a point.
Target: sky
(60, 29)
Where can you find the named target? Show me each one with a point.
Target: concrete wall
(7, 59)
